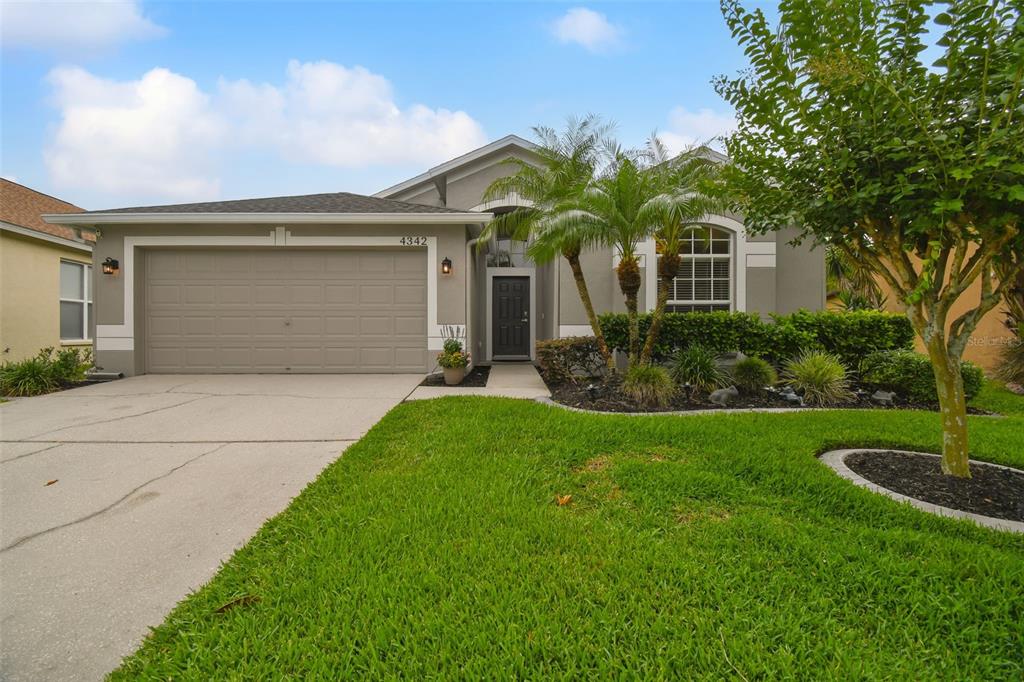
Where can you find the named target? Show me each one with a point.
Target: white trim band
(260, 218)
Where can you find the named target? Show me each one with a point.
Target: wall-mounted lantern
(110, 266)
(446, 266)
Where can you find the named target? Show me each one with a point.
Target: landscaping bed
(476, 378)
(606, 395)
(991, 491)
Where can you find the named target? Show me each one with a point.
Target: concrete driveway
(117, 500)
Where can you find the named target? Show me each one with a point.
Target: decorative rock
(723, 396)
(883, 397)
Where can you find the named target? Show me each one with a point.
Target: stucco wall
(30, 302)
(109, 293)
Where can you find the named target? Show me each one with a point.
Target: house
(45, 275)
(348, 283)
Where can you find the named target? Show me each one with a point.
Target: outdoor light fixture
(110, 266)
(446, 266)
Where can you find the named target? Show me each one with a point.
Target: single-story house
(348, 283)
(45, 275)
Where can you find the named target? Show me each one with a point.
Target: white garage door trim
(111, 337)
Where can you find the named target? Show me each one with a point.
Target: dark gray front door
(510, 317)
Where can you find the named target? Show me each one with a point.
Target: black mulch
(477, 378)
(606, 396)
(990, 491)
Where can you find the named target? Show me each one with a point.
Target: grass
(696, 546)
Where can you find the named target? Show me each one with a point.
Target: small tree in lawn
(568, 162)
(915, 170)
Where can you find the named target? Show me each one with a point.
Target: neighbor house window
(704, 282)
(75, 301)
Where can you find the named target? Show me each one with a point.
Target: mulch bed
(606, 396)
(990, 491)
(477, 378)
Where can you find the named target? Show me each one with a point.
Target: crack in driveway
(32, 536)
(33, 439)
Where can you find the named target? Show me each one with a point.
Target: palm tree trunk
(668, 268)
(573, 256)
(629, 282)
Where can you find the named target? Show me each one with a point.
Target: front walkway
(519, 380)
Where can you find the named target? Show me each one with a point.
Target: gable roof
(329, 207)
(507, 142)
(24, 207)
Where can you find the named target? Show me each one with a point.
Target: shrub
(853, 335)
(649, 385)
(698, 367)
(910, 375)
(46, 372)
(562, 360)
(1011, 362)
(819, 376)
(753, 374)
(850, 335)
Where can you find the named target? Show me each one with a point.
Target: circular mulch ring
(993, 497)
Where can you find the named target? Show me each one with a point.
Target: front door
(510, 318)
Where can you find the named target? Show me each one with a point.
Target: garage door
(285, 311)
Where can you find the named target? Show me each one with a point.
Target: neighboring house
(45, 275)
(349, 283)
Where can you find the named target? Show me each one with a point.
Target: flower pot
(453, 376)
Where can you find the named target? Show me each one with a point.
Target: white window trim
(84, 302)
(741, 247)
(712, 257)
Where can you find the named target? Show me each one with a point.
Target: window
(704, 282)
(75, 301)
(508, 253)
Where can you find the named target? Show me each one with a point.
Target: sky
(109, 104)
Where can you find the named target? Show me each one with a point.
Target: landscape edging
(835, 460)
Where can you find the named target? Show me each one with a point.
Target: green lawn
(693, 547)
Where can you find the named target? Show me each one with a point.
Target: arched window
(705, 275)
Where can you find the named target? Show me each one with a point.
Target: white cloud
(588, 28)
(687, 128)
(154, 136)
(329, 114)
(65, 26)
(162, 136)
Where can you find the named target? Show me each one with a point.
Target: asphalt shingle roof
(336, 202)
(24, 206)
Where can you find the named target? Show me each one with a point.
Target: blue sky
(120, 104)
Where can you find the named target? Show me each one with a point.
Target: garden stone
(883, 397)
(723, 396)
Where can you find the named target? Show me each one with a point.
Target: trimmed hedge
(910, 375)
(850, 335)
(562, 360)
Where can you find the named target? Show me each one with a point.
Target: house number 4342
(413, 241)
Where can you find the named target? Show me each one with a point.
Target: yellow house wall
(30, 294)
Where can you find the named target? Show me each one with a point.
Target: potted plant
(453, 360)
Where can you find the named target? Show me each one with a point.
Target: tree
(916, 171)
(685, 188)
(568, 163)
(851, 282)
(608, 213)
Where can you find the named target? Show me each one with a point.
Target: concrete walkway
(519, 380)
(117, 500)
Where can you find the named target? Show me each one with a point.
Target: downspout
(470, 271)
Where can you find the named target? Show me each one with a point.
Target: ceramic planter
(453, 376)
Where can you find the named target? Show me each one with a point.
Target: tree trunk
(952, 406)
(573, 256)
(629, 282)
(668, 268)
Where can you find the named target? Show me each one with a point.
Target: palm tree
(607, 213)
(686, 194)
(850, 281)
(568, 163)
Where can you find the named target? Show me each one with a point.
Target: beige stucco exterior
(30, 298)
